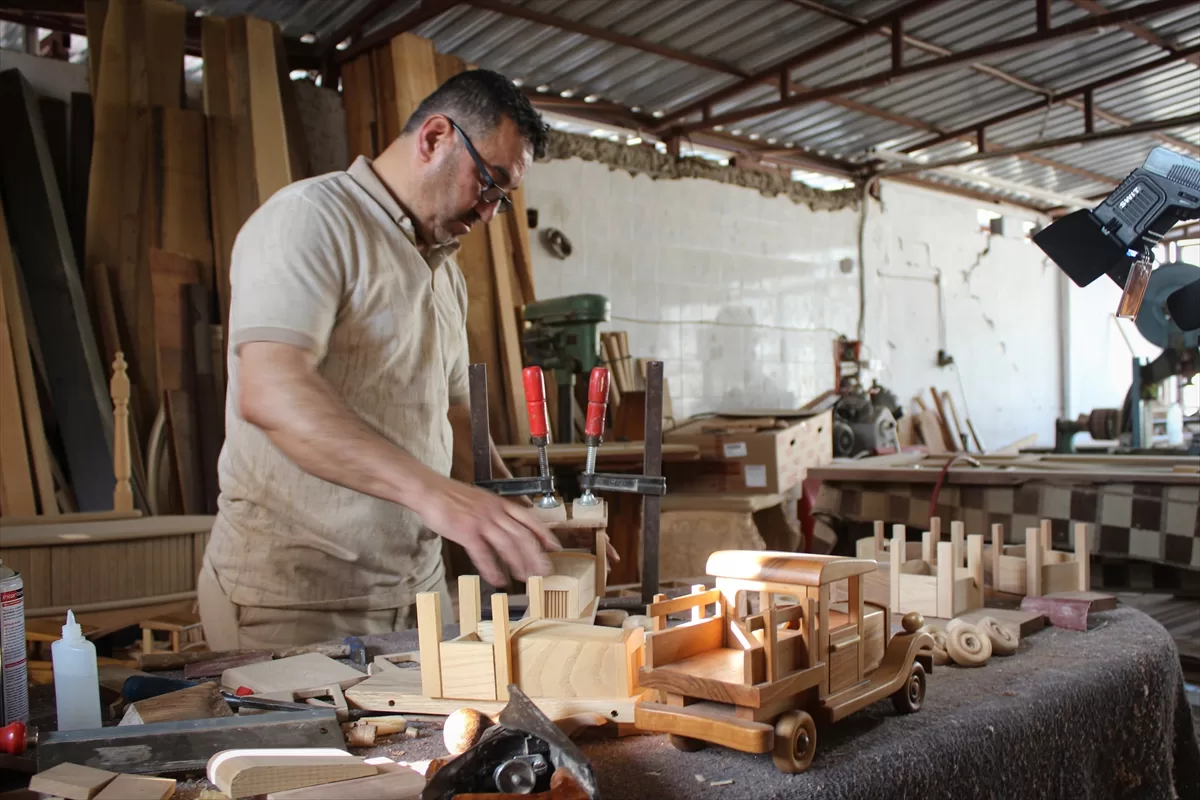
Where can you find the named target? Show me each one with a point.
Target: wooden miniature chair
(184, 630)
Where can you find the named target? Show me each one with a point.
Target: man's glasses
(491, 192)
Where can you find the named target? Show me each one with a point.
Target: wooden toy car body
(755, 681)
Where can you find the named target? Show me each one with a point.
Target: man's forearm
(302, 416)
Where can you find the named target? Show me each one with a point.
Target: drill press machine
(562, 334)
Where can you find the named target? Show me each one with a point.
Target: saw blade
(1153, 321)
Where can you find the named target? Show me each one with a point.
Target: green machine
(562, 334)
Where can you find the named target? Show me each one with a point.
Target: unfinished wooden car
(775, 654)
(1035, 568)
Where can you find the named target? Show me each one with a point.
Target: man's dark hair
(477, 100)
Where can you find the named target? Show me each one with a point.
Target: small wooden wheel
(940, 656)
(967, 646)
(1004, 643)
(686, 744)
(795, 742)
(911, 696)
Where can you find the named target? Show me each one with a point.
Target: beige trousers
(228, 626)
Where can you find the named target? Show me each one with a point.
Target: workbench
(1072, 715)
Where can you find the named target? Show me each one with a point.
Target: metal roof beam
(1046, 144)
(1058, 97)
(772, 72)
(1005, 47)
(418, 16)
(1143, 33)
(604, 34)
(984, 69)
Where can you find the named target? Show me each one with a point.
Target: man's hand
(487, 526)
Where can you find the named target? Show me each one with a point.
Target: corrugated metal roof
(752, 36)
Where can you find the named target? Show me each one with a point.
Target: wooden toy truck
(755, 681)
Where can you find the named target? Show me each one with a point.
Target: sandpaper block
(1069, 610)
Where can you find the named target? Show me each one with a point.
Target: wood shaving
(721, 783)
(700, 778)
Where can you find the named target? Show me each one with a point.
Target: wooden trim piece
(510, 340)
(268, 129)
(703, 721)
(16, 476)
(687, 601)
(1033, 562)
(165, 34)
(468, 604)
(1083, 556)
(501, 644)
(112, 605)
(429, 633)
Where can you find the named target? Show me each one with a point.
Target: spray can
(14, 680)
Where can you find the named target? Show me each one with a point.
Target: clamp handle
(597, 402)
(535, 401)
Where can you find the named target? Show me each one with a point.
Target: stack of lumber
(121, 212)
(938, 426)
(381, 88)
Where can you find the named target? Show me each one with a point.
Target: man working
(347, 410)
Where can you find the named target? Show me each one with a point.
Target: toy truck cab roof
(799, 569)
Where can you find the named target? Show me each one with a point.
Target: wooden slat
(94, 12)
(169, 273)
(184, 179)
(414, 73)
(510, 337)
(209, 400)
(518, 231)
(165, 23)
(358, 98)
(79, 165)
(41, 243)
(272, 153)
(16, 478)
(12, 308)
(182, 426)
(387, 124)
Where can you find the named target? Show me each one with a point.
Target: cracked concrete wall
(936, 281)
(743, 295)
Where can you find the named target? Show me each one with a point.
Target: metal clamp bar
(633, 484)
(481, 440)
(511, 487)
(652, 467)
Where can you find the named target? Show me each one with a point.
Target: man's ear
(434, 135)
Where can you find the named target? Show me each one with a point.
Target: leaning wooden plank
(209, 402)
(79, 165)
(169, 273)
(117, 227)
(94, 12)
(181, 422)
(518, 231)
(414, 73)
(41, 243)
(943, 425)
(245, 773)
(165, 22)
(387, 122)
(184, 179)
(510, 337)
(16, 477)
(359, 99)
(10, 305)
(272, 159)
(72, 781)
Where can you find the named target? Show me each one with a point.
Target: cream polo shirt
(330, 264)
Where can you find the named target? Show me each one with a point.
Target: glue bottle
(76, 682)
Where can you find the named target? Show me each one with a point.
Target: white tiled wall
(742, 296)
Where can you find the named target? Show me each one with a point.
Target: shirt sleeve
(287, 276)
(460, 392)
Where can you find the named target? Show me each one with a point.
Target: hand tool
(535, 406)
(594, 428)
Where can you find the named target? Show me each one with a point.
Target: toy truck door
(846, 639)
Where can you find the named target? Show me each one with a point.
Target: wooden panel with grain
(272, 156)
(16, 473)
(184, 178)
(41, 244)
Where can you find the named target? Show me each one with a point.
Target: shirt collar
(363, 173)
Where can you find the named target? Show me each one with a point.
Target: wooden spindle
(119, 390)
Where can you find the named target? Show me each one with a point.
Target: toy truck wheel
(686, 744)
(911, 695)
(795, 742)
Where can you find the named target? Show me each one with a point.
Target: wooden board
(169, 273)
(396, 783)
(184, 180)
(165, 23)
(244, 773)
(42, 245)
(414, 74)
(358, 99)
(196, 702)
(71, 781)
(94, 14)
(16, 475)
(306, 671)
(272, 156)
(138, 787)
(79, 165)
(1020, 623)
(224, 209)
(208, 399)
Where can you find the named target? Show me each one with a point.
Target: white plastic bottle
(76, 683)
(1175, 425)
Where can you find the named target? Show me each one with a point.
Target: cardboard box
(760, 455)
